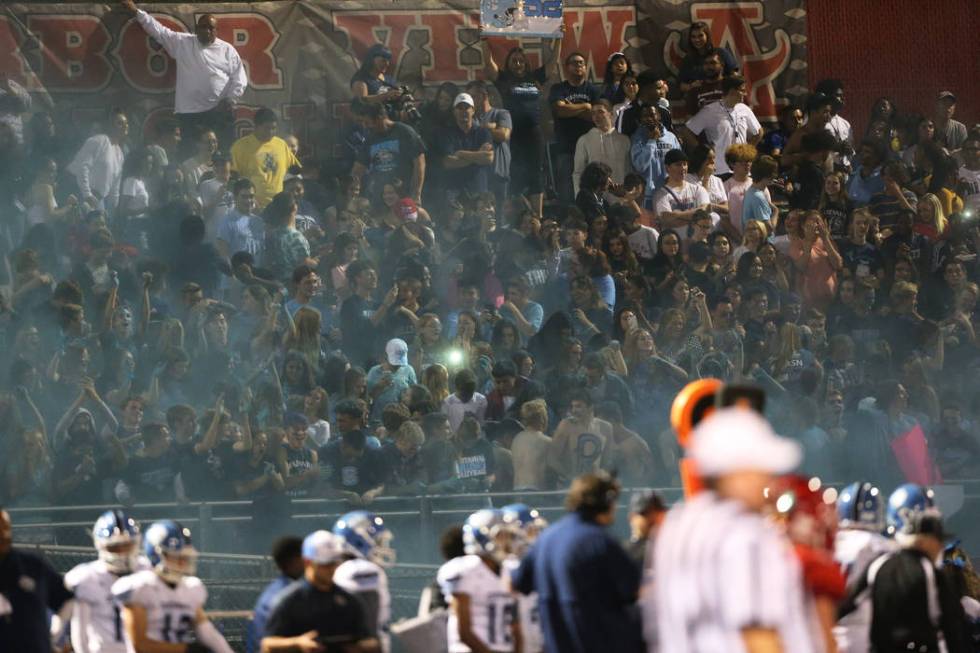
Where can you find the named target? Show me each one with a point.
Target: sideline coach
(584, 579)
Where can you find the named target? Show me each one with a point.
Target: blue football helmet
(366, 534)
(906, 500)
(860, 506)
(485, 532)
(116, 536)
(169, 549)
(527, 521)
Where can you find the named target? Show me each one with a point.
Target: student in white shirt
(631, 87)
(465, 401)
(98, 165)
(676, 201)
(725, 122)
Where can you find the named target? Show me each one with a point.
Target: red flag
(912, 453)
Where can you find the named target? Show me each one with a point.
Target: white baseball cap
(324, 548)
(397, 352)
(739, 439)
(464, 98)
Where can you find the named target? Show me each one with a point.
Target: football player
(96, 623)
(528, 524)
(364, 576)
(482, 615)
(860, 527)
(163, 607)
(863, 509)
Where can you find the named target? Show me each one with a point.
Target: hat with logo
(464, 98)
(397, 352)
(407, 209)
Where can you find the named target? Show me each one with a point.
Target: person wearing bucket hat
(314, 613)
(741, 583)
(914, 606)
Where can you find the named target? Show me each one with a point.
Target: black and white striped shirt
(720, 569)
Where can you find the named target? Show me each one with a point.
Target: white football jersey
(369, 582)
(96, 622)
(171, 612)
(492, 607)
(528, 613)
(854, 549)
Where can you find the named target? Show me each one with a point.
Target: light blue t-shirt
(860, 189)
(401, 379)
(532, 312)
(756, 206)
(647, 156)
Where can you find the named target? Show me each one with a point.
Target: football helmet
(168, 547)
(116, 537)
(485, 532)
(860, 506)
(366, 534)
(905, 501)
(807, 510)
(527, 522)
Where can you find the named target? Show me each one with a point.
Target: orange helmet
(692, 404)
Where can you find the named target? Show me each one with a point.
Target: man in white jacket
(602, 143)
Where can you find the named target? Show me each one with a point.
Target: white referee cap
(324, 548)
(739, 439)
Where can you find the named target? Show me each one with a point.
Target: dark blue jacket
(585, 583)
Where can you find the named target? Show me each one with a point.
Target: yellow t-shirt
(264, 163)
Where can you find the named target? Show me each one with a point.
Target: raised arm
(165, 36)
(551, 66)
(490, 68)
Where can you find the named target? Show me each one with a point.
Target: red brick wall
(908, 50)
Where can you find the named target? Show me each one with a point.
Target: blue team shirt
(585, 583)
(263, 608)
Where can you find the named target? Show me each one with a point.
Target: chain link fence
(235, 581)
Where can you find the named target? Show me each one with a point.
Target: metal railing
(209, 520)
(415, 520)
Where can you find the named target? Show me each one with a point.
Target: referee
(314, 614)
(725, 579)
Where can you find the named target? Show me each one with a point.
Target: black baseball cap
(674, 156)
(947, 95)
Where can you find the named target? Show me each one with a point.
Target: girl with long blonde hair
(930, 219)
(436, 379)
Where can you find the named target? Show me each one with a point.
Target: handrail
(424, 506)
(319, 500)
